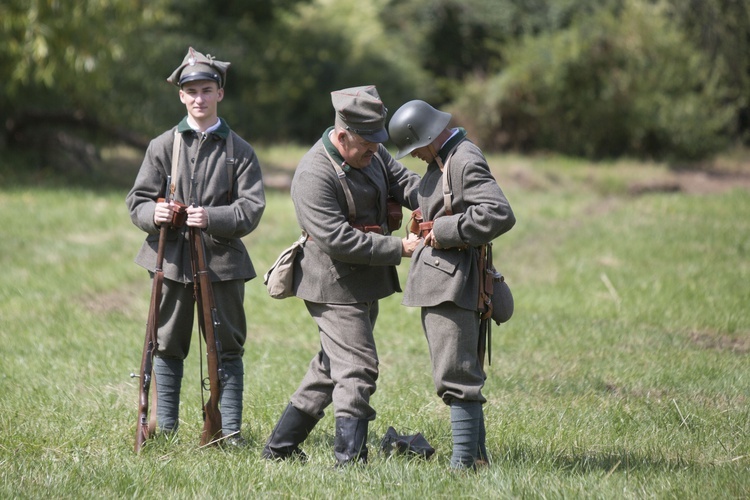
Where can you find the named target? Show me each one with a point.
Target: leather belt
(424, 230)
(368, 228)
(365, 228)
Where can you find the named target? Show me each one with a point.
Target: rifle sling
(230, 160)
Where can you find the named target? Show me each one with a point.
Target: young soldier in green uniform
(225, 198)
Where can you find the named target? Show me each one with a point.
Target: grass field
(624, 373)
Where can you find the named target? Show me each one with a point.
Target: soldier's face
(423, 154)
(201, 98)
(357, 152)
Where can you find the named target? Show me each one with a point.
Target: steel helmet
(414, 125)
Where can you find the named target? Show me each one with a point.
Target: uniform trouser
(177, 316)
(452, 336)
(345, 370)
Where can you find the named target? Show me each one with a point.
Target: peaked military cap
(360, 110)
(196, 66)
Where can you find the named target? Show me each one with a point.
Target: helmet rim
(414, 125)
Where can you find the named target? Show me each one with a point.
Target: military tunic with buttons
(343, 272)
(445, 282)
(216, 173)
(234, 200)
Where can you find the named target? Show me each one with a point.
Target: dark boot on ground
(168, 372)
(466, 418)
(350, 443)
(291, 430)
(230, 404)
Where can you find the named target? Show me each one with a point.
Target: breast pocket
(342, 269)
(445, 261)
(225, 245)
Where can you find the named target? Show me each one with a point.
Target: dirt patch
(693, 182)
(116, 301)
(721, 342)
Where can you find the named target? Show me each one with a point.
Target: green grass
(624, 372)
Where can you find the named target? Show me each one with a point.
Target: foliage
(623, 373)
(285, 93)
(722, 31)
(78, 75)
(456, 39)
(68, 55)
(610, 85)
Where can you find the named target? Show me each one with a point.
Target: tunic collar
(457, 137)
(333, 151)
(222, 130)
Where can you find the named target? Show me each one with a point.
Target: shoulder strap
(230, 165)
(175, 161)
(447, 190)
(347, 192)
(229, 159)
(385, 170)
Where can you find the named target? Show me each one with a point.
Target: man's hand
(430, 241)
(162, 213)
(409, 244)
(197, 217)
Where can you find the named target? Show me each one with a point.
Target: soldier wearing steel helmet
(444, 278)
(225, 198)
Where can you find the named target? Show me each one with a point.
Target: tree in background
(721, 28)
(456, 40)
(63, 65)
(662, 78)
(617, 82)
(319, 47)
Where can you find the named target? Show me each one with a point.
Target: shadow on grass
(20, 170)
(587, 462)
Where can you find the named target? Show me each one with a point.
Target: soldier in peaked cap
(348, 264)
(216, 173)
(196, 66)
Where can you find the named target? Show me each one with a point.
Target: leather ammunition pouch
(395, 214)
(414, 221)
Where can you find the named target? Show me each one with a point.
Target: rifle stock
(209, 324)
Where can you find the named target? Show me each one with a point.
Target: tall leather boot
(350, 443)
(168, 373)
(230, 404)
(466, 418)
(291, 430)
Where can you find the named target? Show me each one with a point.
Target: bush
(612, 84)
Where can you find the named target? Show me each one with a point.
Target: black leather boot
(291, 430)
(350, 443)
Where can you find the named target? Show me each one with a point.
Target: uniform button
(437, 262)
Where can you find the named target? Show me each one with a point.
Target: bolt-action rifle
(145, 426)
(208, 321)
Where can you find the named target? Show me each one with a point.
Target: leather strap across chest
(231, 161)
(426, 227)
(366, 228)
